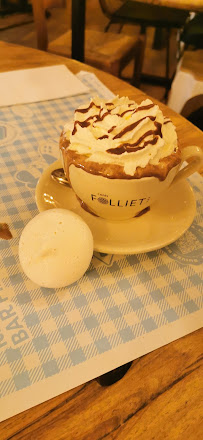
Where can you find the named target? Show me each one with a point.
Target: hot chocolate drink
(120, 156)
(120, 139)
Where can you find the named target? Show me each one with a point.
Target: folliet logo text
(104, 200)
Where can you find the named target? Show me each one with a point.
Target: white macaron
(55, 248)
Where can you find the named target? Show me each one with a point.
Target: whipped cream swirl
(122, 132)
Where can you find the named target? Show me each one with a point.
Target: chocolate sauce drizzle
(99, 117)
(144, 107)
(129, 148)
(105, 136)
(85, 110)
(81, 124)
(117, 171)
(86, 123)
(111, 129)
(132, 126)
(126, 147)
(126, 111)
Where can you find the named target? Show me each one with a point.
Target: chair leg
(78, 29)
(159, 39)
(41, 26)
(168, 52)
(167, 62)
(138, 62)
(108, 26)
(120, 28)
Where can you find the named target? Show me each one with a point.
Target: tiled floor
(60, 21)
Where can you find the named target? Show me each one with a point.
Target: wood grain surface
(160, 396)
(190, 5)
(158, 399)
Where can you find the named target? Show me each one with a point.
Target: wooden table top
(189, 5)
(151, 401)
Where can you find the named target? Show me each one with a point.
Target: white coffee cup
(122, 199)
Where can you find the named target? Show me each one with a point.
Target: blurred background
(145, 42)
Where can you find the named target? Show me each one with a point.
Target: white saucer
(166, 221)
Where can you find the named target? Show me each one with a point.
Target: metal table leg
(78, 29)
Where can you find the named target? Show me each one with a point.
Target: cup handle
(189, 152)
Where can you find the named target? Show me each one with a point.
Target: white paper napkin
(184, 87)
(38, 84)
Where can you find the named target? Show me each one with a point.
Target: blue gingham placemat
(123, 307)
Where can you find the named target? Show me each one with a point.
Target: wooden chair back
(106, 51)
(110, 6)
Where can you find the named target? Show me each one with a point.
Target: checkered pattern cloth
(44, 332)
